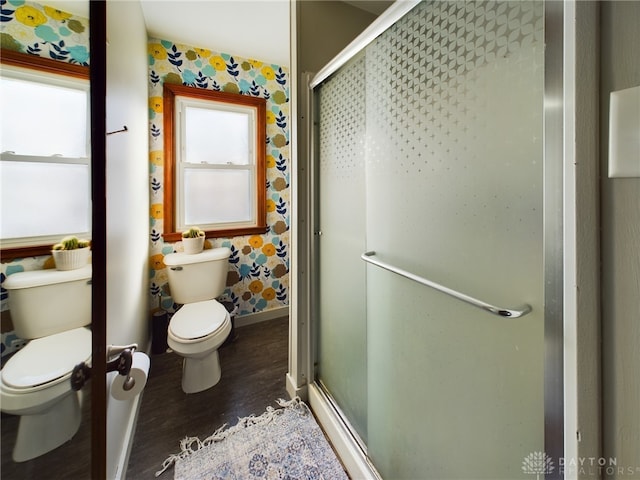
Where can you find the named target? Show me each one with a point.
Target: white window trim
(39, 76)
(181, 103)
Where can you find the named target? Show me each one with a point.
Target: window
(45, 167)
(215, 174)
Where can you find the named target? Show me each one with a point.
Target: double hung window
(214, 162)
(45, 167)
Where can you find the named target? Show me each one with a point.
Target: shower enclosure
(432, 267)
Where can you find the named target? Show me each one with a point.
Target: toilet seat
(196, 321)
(27, 372)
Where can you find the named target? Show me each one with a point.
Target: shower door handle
(487, 307)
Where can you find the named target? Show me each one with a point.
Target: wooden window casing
(46, 65)
(170, 92)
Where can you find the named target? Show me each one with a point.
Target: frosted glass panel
(216, 136)
(50, 203)
(452, 146)
(454, 194)
(43, 120)
(342, 338)
(217, 196)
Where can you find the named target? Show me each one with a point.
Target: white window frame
(182, 103)
(171, 131)
(59, 80)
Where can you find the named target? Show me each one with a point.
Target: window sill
(10, 254)
(238, 232)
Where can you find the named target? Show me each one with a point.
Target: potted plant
(193, 240)
(71, 253)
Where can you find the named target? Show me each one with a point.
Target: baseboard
(295, 391)
(251, 318)
(346, 446)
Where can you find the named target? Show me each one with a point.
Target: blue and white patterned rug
(283, 443)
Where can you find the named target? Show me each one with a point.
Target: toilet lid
(45, 359)
(199, 319)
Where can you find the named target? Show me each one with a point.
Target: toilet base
(43, 432)
(200, 373)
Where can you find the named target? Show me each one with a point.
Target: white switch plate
(624, 133)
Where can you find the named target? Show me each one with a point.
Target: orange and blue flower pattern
(258, 277)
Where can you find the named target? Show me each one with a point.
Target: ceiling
(216, 24)
(222, 25)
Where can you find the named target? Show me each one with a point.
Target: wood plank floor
(71, 460)
(253, 377)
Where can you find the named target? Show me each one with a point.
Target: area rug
(282, 443)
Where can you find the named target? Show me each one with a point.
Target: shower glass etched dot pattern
(430, 154)
(342, 304)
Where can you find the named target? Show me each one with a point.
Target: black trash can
(159, 326)
(231, 309)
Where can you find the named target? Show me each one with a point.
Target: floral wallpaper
(32, 28)
(258, 277)
(44, 31)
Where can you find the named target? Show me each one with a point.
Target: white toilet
(50, 308)
(202, 324)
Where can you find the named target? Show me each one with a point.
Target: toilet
(50, 309)
(201, 324)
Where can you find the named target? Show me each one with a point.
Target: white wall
(127, 203)
(620, 241)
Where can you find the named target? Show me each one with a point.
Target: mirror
(52, 45)
(130, 291)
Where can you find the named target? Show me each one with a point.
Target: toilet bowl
(50, 309)
(35, 384)
(195, 332)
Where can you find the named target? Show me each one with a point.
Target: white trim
(294, 390)
(50, 159)
(184, 102)
(347, 448)
(390, 16)
(582, 403)
(123, 458)
(251, 318)
(294, 249)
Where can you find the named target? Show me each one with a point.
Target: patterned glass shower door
(430, 154)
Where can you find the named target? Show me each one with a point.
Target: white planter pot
(193, 245)
(71, 259)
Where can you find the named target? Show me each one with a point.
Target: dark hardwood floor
(254, 366)
(71, 460)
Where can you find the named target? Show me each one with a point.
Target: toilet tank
(197, 277)
(44, 302)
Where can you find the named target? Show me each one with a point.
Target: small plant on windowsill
(193, 240)
(71, 253)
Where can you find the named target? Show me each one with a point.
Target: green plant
(193, 232)
(71, 243)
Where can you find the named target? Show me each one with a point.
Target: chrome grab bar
(500, 311)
